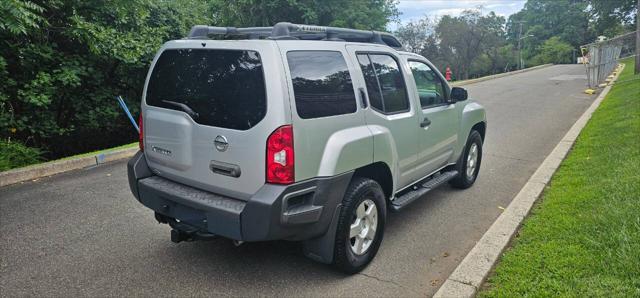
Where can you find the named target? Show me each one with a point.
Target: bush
(15, 155)
(553, 50)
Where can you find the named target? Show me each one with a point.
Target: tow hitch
(182, 231)
(178, 236)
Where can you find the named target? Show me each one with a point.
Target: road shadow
(274, 261)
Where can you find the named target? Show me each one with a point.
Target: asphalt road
(83, 233)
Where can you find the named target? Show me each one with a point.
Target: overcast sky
(416, 9)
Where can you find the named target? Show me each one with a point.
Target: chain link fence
(601, 57)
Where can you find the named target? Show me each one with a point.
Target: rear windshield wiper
(185, 108)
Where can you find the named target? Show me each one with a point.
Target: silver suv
(298, 132)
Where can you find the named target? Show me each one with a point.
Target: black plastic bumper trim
(263, 217)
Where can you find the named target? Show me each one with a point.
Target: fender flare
(472, 114)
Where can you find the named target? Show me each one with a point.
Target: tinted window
(321, 84)
(224, 87)
(430, 87)
(394, 92)
(387, 83)
(371, 81)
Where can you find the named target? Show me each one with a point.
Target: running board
(421, 189)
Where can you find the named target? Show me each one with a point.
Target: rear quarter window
(391, 82)
(225, 88)
(322, 84)
(384, 81)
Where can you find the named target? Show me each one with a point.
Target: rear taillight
(141, 134)
(280, 159)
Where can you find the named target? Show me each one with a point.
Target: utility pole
(637, 71)
(520, 38)
(519, 48)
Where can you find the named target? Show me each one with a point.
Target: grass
(126, 146)
(582, 238)
(17, 165)
(14, 154)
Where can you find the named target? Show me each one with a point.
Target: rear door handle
(426, 122)
(363, 97)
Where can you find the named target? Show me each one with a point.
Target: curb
(495, 76)
(56, 167)
(471, 273)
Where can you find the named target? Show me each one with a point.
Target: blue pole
(126, 110)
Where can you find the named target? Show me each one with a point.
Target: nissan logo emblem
(221, 143)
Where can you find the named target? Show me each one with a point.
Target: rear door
(384, 83)
(208, 108)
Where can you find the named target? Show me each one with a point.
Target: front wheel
(468, 165)
(360, 225)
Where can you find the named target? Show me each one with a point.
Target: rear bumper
(299, 211)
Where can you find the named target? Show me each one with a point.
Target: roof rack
(285, 30)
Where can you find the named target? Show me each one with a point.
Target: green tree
(359, 14)
(17, 17)
(576, 22)
(613, 17)
(467, 37)
(543, 19)
(63, 63)
(553, 50)
(415, 34)
(471, 44)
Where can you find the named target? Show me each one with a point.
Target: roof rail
(285, 30)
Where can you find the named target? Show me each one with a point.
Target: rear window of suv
(222, 88)
(321, 84)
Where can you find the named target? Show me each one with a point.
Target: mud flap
(321, 249)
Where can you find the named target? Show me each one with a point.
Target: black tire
(359, 191)
(463, 180)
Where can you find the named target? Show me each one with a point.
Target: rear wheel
(360, 225)
(468, 165)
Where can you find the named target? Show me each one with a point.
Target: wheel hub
(363, 227)
(472, 160)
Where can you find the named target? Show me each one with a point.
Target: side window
(321, 84)
(385, 85)
(370, 79)
(430, 87)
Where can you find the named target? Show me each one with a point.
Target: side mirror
(458, 94)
